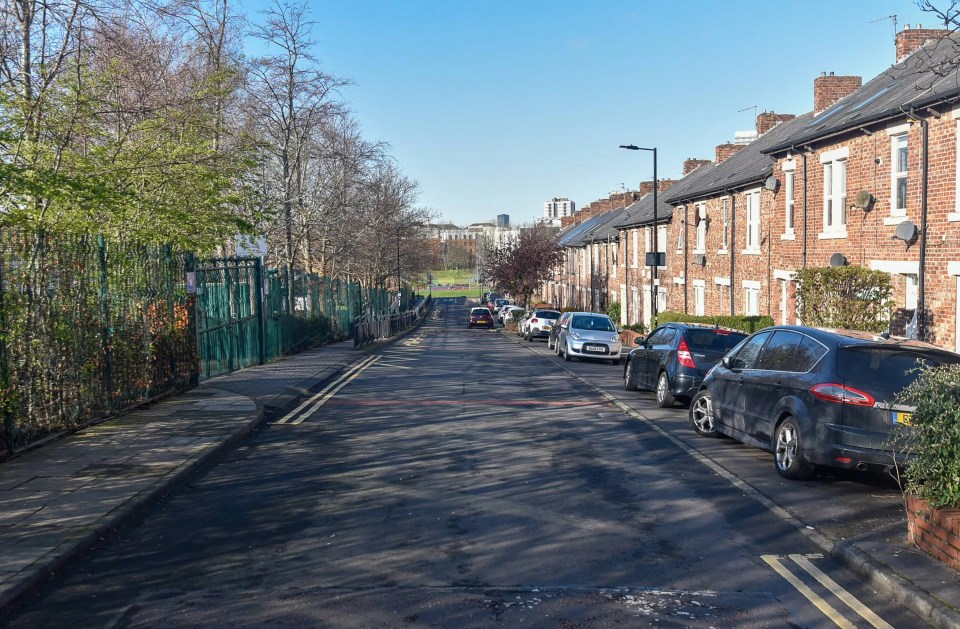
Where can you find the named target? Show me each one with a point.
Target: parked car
(491, 301)
(555, 331)
(673, 359)
(506, 312)
(538, 323)
(589, 335)
(814, 397)
(480, 317)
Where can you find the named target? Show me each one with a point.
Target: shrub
(850, 297)
(933, 443)
(741, 322)
(614, 311)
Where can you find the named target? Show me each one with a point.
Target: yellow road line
(774, 562)
(865, 612)
(333, 392)
(355, 369)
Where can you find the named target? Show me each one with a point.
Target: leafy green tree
(849, 297)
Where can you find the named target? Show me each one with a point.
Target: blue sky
(495, 106)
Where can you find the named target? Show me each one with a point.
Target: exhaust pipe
(862, 467)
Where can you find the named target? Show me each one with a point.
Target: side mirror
(727, 362)
(640, 340)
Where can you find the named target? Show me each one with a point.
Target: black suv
(674, 358)
(814, 396)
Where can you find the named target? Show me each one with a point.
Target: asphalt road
(467, 478)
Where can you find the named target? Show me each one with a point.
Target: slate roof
(929, 76)
(640, 212)
(594, 229)
(749, 165)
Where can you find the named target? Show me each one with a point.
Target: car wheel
(701, 415)
(549, 343)
(628, 384)
(527, 337)
(788, 452)
(664, 398)
(566, 353)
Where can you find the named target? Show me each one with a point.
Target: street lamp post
(656, 249)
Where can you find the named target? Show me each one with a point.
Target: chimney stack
(690, 164)
(909, 40)
(828, 89)
(726, 150)
(768, 120)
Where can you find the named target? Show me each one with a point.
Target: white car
(507, 312)
(538, 323)
(589, 335)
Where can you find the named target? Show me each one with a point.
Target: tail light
(533, 320)
(683, 355)
(832, 392)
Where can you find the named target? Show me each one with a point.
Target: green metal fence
(87, 328)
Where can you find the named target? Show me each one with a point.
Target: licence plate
(546, 328)
(595, 348)
(901, 417)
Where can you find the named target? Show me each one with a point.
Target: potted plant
(931, 482)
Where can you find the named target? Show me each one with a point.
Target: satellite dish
(864, 200)
(838, 259)
(906, 231)
(772, 183)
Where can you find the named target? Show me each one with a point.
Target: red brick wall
(910, 39)
(829, 88)
(768, 120)
(934, 531)
(726, 150)
(691, 164)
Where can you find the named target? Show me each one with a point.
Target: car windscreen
(886, 370)
(479, 311)
(712, 340)
(600, 324)
(547, 314)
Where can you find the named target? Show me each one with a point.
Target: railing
(369, 328)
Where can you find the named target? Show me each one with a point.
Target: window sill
(752, 252)
(722, 252)
(790, 236)
(832, 235)
(953, 217)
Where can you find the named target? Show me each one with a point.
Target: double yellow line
(835, 588)
(299, 414)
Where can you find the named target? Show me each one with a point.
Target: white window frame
(701, 214)
(751, 298)
(635, 237)
(725, 218)
(680, 235)
(834, 193)
(955, 215)
(899, 144)
(723, 292)
(751, 202)
(790, 201)
(699, 298)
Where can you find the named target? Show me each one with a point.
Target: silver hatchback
(589, 335)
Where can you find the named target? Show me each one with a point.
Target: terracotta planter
(628, 338)
(934, 531)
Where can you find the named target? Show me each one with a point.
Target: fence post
(105, 323)
(261, 324)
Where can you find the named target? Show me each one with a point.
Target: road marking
(326, 393)
(838, 591)
(774, 562)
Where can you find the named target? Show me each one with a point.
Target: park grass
(453, 276)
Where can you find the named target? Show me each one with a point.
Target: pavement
(57, 500)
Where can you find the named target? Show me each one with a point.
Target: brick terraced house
(870, 177)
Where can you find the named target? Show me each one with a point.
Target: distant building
(557, 208)
(503, 221)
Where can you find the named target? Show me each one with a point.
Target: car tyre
(566, 353)
(528, 337)
(665, 399)
(701, 415)
(628, 384)
(788, 454)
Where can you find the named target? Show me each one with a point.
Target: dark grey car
(814, 396)
(675, 357)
